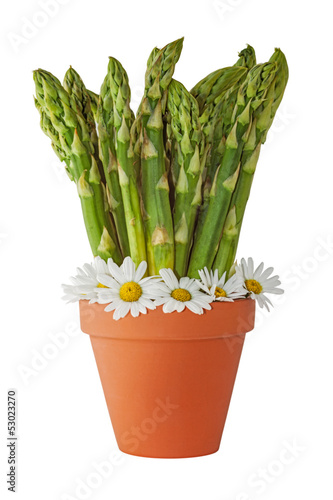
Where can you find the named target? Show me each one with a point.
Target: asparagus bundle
(76, 89)
(263, 118)
(220, 119)
(169, 185)
(216, 116)
(63, 122)
(250, 96)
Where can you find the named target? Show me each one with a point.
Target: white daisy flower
(257, 282)
(222, 290)
(85, 283)
(126, 289)
(176, 294)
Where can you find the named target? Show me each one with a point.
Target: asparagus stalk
(150, 62)
(247, 57)
(220, 123)
(155, 187)
(211, 95)
(93, 102)
(136, 129)
(152, 57)
(49, 130)
(280, 85)
(107, 150)
(184, 112)
(250, 96)
(215, 84)
(71, 141)
(123, 122)
(263, 118)
(136, 142)
(80, 100)
(216, 120)
(74, 86)
(212, 89)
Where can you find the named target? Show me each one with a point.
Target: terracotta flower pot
(168, 378)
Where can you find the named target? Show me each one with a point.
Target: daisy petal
(116, 272)
(192, 306)
(180, 306)
(169, 278)
(122, 310)
(250, 267)
(258, 271)
(135, 311)
(266, 273)
(106, 280)
(128, 268)
(139, 273)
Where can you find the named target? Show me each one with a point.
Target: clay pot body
(168, 378)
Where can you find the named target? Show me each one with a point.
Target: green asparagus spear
(152, 57)
(120, 92)
(74, 86)
(247, 57)
(155, 187)
(216, 120)
(215, 84)
(186, 132)
(136, 129)
(220, 120)
(93, 102)
(280, 85)
(106, 121)
(71, 141)
(250, 96)
(212, 89)
(150, 62)
(263, 118)
(80, 100)
(49, 130)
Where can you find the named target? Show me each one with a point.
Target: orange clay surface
(168, 378)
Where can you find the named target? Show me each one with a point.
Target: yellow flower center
(101, 286)
(130, 292)
(219, 292)
(181, 294)
(253, 286)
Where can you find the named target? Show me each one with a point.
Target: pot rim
(225, 319)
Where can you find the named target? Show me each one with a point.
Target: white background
(283, 391)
